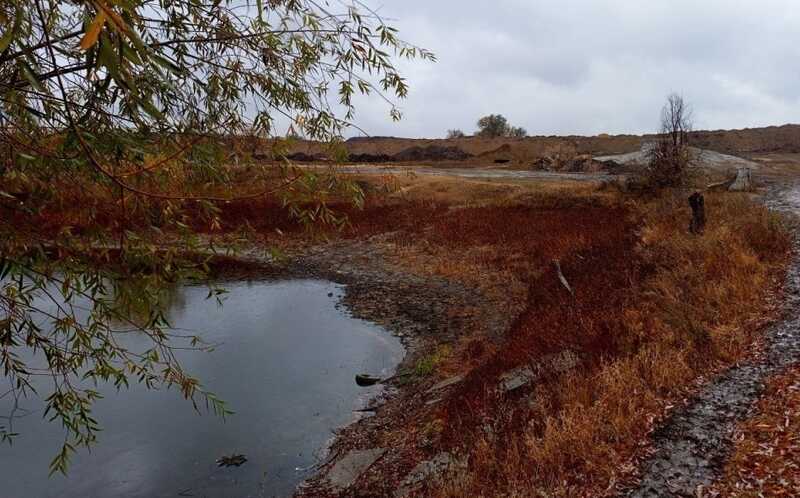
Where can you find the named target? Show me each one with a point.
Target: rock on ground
(434, 468)
(347, 470)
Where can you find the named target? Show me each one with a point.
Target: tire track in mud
(693, 445)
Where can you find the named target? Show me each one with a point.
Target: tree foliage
(496, 125)
(517, 132)
(136, 107)
(493, 125)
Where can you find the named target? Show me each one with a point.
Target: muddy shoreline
(425, 312)
(689, 448)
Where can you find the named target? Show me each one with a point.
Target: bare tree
(670, 156)
(455, 134)
(676, 121)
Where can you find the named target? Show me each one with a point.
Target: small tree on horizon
(517, 132)
(456, 133)
(670, 156)
(492, 126)
(496, 125)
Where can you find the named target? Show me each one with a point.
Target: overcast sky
(593, 66)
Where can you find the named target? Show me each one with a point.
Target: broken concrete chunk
(517, 378)
(424, 471)
(528, 374)
(446, 383)
(346, 471)
(565, 360)
(743, 181)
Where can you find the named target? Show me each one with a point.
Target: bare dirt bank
(426, 312)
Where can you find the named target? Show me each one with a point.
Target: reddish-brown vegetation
(765, 460)
(653, 309)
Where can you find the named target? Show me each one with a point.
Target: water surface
(285, 364)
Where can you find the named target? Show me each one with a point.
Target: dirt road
(477, 173)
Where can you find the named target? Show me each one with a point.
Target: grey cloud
(592, 66)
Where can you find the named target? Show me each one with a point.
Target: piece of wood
(721, 186)
(562, 278)
(697, 203)
(364, 380)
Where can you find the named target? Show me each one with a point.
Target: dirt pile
(369, 158)
(411, 154)
(303, 157)
(784, 139)
(581, 163)
(431, 153)
(525, 151)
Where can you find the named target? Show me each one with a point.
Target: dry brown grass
(694, 304)
(766, 458)
(655, 308)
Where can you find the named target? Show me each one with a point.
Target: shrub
(517, 132)
(455, 134)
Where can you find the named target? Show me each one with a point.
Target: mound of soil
(785, 139)
(432, 153)
(370, 139)
(369, 158)
(415, 153)
(302, 157)
(527, 150)
(582, 163)
(503, 150)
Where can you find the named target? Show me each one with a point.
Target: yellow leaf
(90, 38)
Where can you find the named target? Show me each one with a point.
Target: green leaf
(108, 58)
(166, 64)
(31, 77)
(5, 268)
(130, 54)
(8, 36)
(151, 109)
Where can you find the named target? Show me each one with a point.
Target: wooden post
(698, 223)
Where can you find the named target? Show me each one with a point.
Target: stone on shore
(346, 471)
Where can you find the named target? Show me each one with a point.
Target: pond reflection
(285, 362)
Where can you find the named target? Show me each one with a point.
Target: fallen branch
(562, 278)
